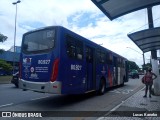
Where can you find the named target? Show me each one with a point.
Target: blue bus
(56, 60)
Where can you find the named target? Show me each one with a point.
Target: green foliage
(133, 66)
(1, 51)
(146, 66)
(5, 66)
(3, 38)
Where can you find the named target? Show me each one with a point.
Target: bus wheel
(102, 87)
(16, 85)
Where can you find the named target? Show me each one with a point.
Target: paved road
(15, 99)
(11, 95)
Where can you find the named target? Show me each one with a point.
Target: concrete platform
(136, 108)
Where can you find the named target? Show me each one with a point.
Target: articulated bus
(56, 60)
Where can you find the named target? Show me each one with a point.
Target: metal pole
(14, 40)
(151, 25)
(15, 29)
(143, 59)
(150, 17)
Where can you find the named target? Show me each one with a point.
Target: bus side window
(98, 56)
(103, 57)
(74, 48)
(123, 64)
(89, 55)
(79, 50)
(71, 48)
(109, 58)
(119, 62)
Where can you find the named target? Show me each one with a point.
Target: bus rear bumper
(44, 87)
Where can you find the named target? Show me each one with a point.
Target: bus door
(90, 69)
(115, 64)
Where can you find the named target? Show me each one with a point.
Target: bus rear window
(39, 41)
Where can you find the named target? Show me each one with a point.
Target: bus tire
(16, 85)
(102, 87)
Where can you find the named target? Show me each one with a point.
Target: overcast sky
(80, 16)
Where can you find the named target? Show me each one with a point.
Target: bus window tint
(71, 48)
(120, 64)
(79, 50)
(74, 48)
(98, 56)
(103, 57)
(89, 55)
(39, 41)
(123, 64)
(109, 58)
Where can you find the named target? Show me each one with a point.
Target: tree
(5, 66)
(2, 39)
(146, 66)
(133, 66)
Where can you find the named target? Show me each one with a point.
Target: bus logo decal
(32, 69)
(27, 60)
(34, 76)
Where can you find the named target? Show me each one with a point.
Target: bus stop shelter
(116, 8)
(146, 40)
(149, 40)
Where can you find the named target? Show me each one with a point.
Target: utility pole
(15, 3)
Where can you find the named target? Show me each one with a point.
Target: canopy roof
(116, 8)
(147, 40)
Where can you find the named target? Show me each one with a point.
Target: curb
(116, 107)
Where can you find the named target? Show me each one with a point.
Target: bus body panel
(72, 72)
(36, 68)
(110, 76)
(44, 87)
(75, 76)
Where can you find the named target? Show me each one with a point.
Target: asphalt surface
(13, 99)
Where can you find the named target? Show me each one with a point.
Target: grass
(5, 79)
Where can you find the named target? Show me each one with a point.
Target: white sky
(80, 16)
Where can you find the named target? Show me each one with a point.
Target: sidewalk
(135, 108)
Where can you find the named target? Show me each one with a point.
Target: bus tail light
(55, 70)
(20, 69)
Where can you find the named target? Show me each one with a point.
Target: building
(10, 57)
(17, 49)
